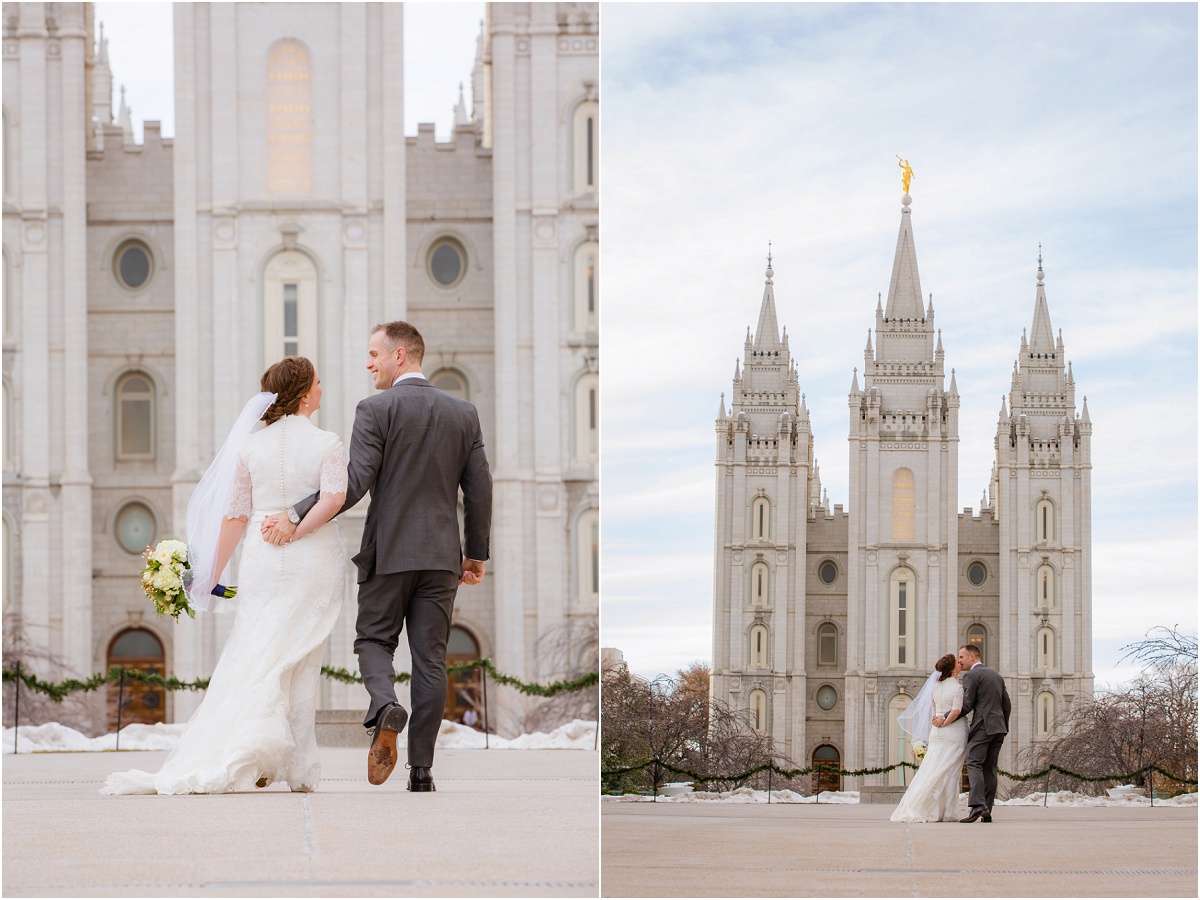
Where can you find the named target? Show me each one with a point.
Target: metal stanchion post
(487, 722)
(17, 706)
(120, 705)
(1151, 788)
(770, 772)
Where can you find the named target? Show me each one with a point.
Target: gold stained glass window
(289, 119)
(902, 505)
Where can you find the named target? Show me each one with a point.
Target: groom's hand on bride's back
(472, 571)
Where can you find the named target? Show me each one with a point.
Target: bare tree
(673, 721)
(1151, 721)
(85, 712)
(566, 652)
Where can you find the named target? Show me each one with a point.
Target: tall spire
(461, 116)
(766, 337)
(1041, 336)
(904, 293)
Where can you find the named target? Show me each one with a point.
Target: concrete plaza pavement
(848, 850)
(502, 823)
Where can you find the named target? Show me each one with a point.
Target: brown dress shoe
(381, 758)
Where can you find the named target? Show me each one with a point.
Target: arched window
(10, 434)
(7, 157)
(899, 749)
(1045, 647)
(903, 594)
(977, 637)
(463, 688)
(587, 287)
(134, 407)
(587, 419)
(587, 552)
(289, 119)
(760, 519)
(289, 307)
(902, 505)
(758, 646)
(760, 584)
(826, 780)
(452, 381)
(9, 326)
(1044, 525)
(1045, 586)
(586, 136)
(10, 595)
(827, 644)
(758, 710)
(1044, 711)
(137, 648)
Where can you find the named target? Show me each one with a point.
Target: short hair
(972, 649)
(403, 334)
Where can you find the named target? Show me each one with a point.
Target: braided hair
(291, 378)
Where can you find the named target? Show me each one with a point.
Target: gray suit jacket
(984, 694)
(413, 446)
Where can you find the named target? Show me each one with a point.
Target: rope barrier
(831, 770)
(60, 690)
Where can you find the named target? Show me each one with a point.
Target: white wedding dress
(258, 715)
(933, 794)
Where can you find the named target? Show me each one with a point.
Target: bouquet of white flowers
(167, 579)
(919, 748)
(164, 578)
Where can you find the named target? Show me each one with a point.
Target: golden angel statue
(907, 176)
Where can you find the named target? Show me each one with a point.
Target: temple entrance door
(465, 688)
(137, 648)
(827, 781)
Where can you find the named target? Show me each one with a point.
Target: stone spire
(125, 118)
(102, 83)
(766, 337)
(904, 293)
(1041, 336)
(462, 118)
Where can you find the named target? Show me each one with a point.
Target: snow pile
(1072, 798)
(743, 795)
(55, 738)
(1058, 799)
(576, 735)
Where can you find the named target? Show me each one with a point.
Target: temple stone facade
(826, 622)
(147, 286)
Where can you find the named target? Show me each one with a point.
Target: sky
(728, 126)
(439, 52)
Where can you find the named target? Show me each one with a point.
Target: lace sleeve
(333, 471)
(240, 503)
(956, 705)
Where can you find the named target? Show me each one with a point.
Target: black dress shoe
(987, 817)
(381, 758)
(975, 814)
(420, 779)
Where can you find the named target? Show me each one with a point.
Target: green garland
(58, 691)
(833, 770)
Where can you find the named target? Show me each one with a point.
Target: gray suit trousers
(424, 601)
(983, 752)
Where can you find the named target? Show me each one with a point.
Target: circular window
(133, 265)
(828, 572)
(447, 262)
(826, 697)
(135, 528)
(977, 573)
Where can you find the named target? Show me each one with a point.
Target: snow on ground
(747, 795)
(55, 738)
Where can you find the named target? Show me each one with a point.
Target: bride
(256, 724)
(933, 794)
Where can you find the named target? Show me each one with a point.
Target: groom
(985, 695)
(413, 447)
